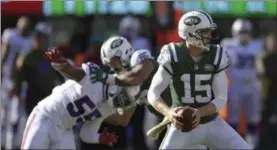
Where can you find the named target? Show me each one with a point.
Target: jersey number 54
(77, 109)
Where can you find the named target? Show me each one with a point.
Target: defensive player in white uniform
(197, 73)
(49, 126)
(16, 42)
(245, 86)
(115, 48)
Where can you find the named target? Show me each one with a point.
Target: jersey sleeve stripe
(105, 90)
(219, 58)
(222, 69)
(25, 134)
(217, 55)
(167, 70)
(173, 52)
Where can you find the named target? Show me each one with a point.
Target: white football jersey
(243, 59)
(17, 44)
(74, 102)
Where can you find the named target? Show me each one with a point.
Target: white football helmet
(192, 24)
(117, 46)
(241, 29)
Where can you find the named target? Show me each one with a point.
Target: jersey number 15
(201, 92)
(77, 109)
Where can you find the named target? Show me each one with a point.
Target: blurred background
(28, 28)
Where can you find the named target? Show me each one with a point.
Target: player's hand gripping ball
(187, 118)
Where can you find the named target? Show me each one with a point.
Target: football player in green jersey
(195, 69)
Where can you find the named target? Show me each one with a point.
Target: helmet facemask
(117, 64)
(202, 37)
(120, 61)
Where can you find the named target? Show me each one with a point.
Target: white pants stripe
(42, 133)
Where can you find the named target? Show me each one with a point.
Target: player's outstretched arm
(220, 88)
(60, 64)
(142, 66)
(137, 75)
(73, 73)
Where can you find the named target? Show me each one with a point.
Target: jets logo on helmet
(116, 46)
(116, 43)
(192, 20)
(192, 25)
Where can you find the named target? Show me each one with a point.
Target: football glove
(97, 74)
(107, 138)
(54, 56)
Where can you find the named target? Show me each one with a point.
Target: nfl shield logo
(196, 67)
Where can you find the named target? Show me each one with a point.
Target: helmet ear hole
(127, 51)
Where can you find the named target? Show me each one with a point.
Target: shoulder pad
(222, 59)
(139, 56)
(167, 54)
(88, 67)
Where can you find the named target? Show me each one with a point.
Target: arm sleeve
(220, 89)
(88, 68)
(159, 83)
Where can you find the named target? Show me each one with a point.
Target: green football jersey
(192, 80)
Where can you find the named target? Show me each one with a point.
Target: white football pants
(216, 134)
(42, 133)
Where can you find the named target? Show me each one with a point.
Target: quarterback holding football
(195, 69)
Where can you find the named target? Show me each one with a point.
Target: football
(187, 118)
